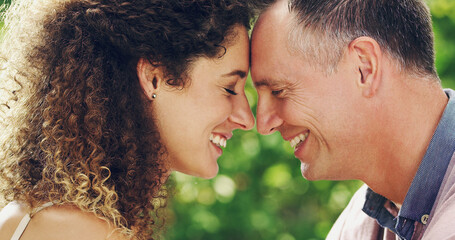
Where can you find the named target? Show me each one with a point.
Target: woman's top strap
(21, 227)
(25, 220)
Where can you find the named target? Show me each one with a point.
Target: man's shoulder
(353, 223)
(441, 221)
(440, 224)
(357, 201)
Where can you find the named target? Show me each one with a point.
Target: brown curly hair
(77, 127)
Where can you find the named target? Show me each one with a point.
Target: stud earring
(154, 95)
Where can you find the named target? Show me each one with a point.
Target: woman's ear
(150, 77)
(368, 55)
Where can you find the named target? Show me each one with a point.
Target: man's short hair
(321, 30)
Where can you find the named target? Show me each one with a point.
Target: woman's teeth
(300, 138)
(218, 140)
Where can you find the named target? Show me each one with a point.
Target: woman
(103, 99)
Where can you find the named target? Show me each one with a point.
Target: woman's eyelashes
(230, 91)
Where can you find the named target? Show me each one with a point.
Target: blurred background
(259, 192)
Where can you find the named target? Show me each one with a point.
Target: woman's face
(196, 122)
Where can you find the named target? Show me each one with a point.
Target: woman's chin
(208, 173)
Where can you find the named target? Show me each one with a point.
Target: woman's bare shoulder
(57, 222)
(10, 216)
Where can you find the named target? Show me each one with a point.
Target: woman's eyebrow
(240, 73)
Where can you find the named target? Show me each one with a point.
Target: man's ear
(367, 55)
(150, 77)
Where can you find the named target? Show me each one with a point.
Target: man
(353, 87)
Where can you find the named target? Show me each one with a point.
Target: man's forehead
(269, 46)
(274, 17)
(270, 31)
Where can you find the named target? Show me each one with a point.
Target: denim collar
(424, 188)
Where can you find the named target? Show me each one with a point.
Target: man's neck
(411, 119)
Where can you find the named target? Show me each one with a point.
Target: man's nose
(241, 114)
(267, 118)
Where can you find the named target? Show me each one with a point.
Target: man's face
(317, 113)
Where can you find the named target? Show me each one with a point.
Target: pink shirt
(354, 224)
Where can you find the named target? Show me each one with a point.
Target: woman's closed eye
(230, 91)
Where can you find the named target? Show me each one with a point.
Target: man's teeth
(218, 140)
(298, 139)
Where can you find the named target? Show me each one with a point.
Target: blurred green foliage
(3, 5)
(443, 12)
(259, 192)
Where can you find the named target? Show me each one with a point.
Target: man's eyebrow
(240, 73)
(266, 82)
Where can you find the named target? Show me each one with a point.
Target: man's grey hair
(322, 29)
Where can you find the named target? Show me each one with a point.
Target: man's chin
(306, 172)
(311, 174)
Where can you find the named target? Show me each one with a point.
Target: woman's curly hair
(77, 127)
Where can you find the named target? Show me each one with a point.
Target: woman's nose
(241, 114)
